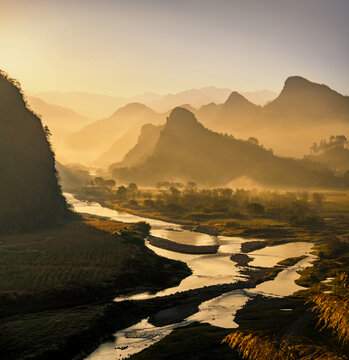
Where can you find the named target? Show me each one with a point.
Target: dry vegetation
(331, 309)
(56, 283)
(77, 252)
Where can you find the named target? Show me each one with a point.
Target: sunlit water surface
(211, 269)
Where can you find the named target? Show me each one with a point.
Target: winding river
(210, 269)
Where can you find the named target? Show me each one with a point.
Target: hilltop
(187, 151)
(30, 196)
(98, 137)
(303, 112)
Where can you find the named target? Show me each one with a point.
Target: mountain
(303, 112)
(235, 113)
(73, 176)
(145, 146)
(194, 97)
(305, 99)
(259, 97)
(60, 120)
(98, 137)
(120, 147)
(336, 158)
(95, 106)
(186, 150)
(30, 196)
(99, 106)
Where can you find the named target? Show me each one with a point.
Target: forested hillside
(30, 196)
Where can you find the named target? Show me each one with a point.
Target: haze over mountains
(144, 147)
(96, 106)
(30, 196)
(60, 120)
(96, 138)
(187, 151)
(100, 106)
(302, 113)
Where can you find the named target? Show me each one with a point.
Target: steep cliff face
(30, 196)
(144, 148)
(308, 100)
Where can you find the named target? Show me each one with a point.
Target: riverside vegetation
(277, 217)
(59, 281)
(59, 271)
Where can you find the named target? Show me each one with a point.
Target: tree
(314, 148)
(253, 140)
(334, 141)
(163, 184)
(132, 187)
(174, 191)
(121, 192)
(99, 181)
(256, 208)
(109, 183)
(317, 199)
(191, 185)
(143, 227)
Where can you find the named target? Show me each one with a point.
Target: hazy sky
(126, 47)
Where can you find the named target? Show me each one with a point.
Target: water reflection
(207, 270)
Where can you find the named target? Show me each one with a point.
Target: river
(210, 269)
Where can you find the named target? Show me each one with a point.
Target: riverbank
(52, 276)
(270, 231)
(104, 319)
(181, 248)
(204, 341)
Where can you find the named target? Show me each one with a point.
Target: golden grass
(80, 252)
(332, 310)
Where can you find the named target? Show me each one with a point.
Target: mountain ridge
(187, 151)
(30, 197)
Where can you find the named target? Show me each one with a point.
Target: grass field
(76, 253)
(56, 284)
(89, 252)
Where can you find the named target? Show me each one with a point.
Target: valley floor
(198, 341)
(56, 285)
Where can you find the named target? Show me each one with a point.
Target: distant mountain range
(95, 106)
(99, 137)
(99, 106)
(187, 151)
(60, 120)
(302, 113)
(144, 148)
(301, 98)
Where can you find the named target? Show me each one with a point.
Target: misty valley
(179, 238)
(146, 215)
